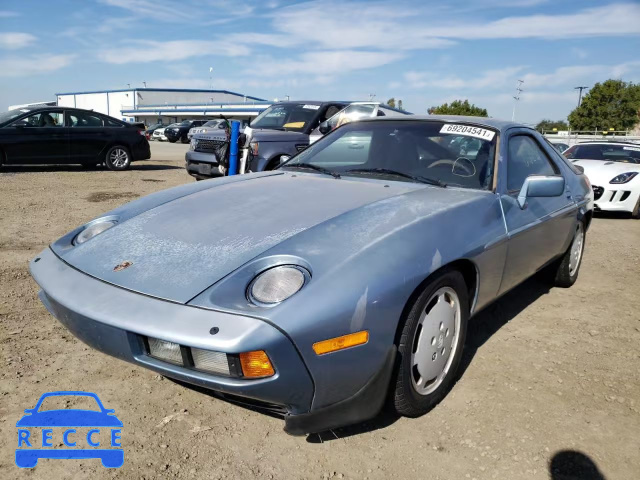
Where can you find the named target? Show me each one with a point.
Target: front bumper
(203, 165)
(115, 321)
(615, 198)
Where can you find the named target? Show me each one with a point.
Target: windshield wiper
(326, 171)
(388, 171)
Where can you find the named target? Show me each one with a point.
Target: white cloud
(330, 62)
(488, 79)
(610, 20)
(583, 74)
(33, 64)
(8, 14)
(15, 40)
(193, 11)
(142, 51)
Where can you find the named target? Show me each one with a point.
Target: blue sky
(424, 52)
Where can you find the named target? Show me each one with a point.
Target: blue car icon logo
(84, 432)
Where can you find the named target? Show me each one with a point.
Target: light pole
(580, 89)
(372, 96)
(145, 84)
(516, 97)
(211, 78)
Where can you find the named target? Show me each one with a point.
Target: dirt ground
(550, 386)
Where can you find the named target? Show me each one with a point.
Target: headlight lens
(624, 177)
(277, 284)
(93, 229)
(254, 148)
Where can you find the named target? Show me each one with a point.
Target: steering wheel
(465, 164)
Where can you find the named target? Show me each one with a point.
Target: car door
(87, 136)
(540, 231)
(38, 138)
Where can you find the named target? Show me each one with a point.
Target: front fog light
(93, 229)
(167, 351)
(277, 284)
(208, 361)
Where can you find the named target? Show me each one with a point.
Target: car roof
(312, 102)
(481, 121)
(612, 142)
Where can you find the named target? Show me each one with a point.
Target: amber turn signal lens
(256, 364)
(340, 343)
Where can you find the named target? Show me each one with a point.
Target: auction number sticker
(468, 131)
(311, 107)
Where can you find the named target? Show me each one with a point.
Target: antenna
(516, 97)
(580, 89)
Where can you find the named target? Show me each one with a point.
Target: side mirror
(540, 186)
(324, 128)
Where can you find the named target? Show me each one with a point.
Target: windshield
(452, 154)
(609, 153)
(287, 116)
(11, 114)
(211, 123)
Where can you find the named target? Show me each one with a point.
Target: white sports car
(614, 172)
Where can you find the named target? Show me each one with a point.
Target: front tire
(431, 344)
(118, 158)
(568, 267)
(635, 214)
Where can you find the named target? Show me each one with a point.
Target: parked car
(62, 135)
(561, 147)
(158, 133)
(149, 130)
(354, 112)
(274, 136)
(180, 131)
(613, 169)
(208, 127)
(343, 278)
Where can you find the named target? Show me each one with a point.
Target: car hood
(265, 135)
(69, 418)
(178, 249)
(601, 172)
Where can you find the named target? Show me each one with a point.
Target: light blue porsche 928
(340, 280)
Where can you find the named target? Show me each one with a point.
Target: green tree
(392, 102)
(611, 104)
(458, 107)
(549, 125)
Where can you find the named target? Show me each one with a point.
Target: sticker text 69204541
(468, 131)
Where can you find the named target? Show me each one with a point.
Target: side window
(526, 158)
(81, 119)
(42, 120)
(111, 123)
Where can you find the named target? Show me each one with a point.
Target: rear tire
(184, 140)
(118, 158)
(431, 344)
(568, 266)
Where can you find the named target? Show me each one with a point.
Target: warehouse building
(166, 105)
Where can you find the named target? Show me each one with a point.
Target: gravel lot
(550, 386)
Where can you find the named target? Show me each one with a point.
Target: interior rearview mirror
(324, 128)
(540, 186)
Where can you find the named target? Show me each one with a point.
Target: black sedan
(60, 135)
(180, 131)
